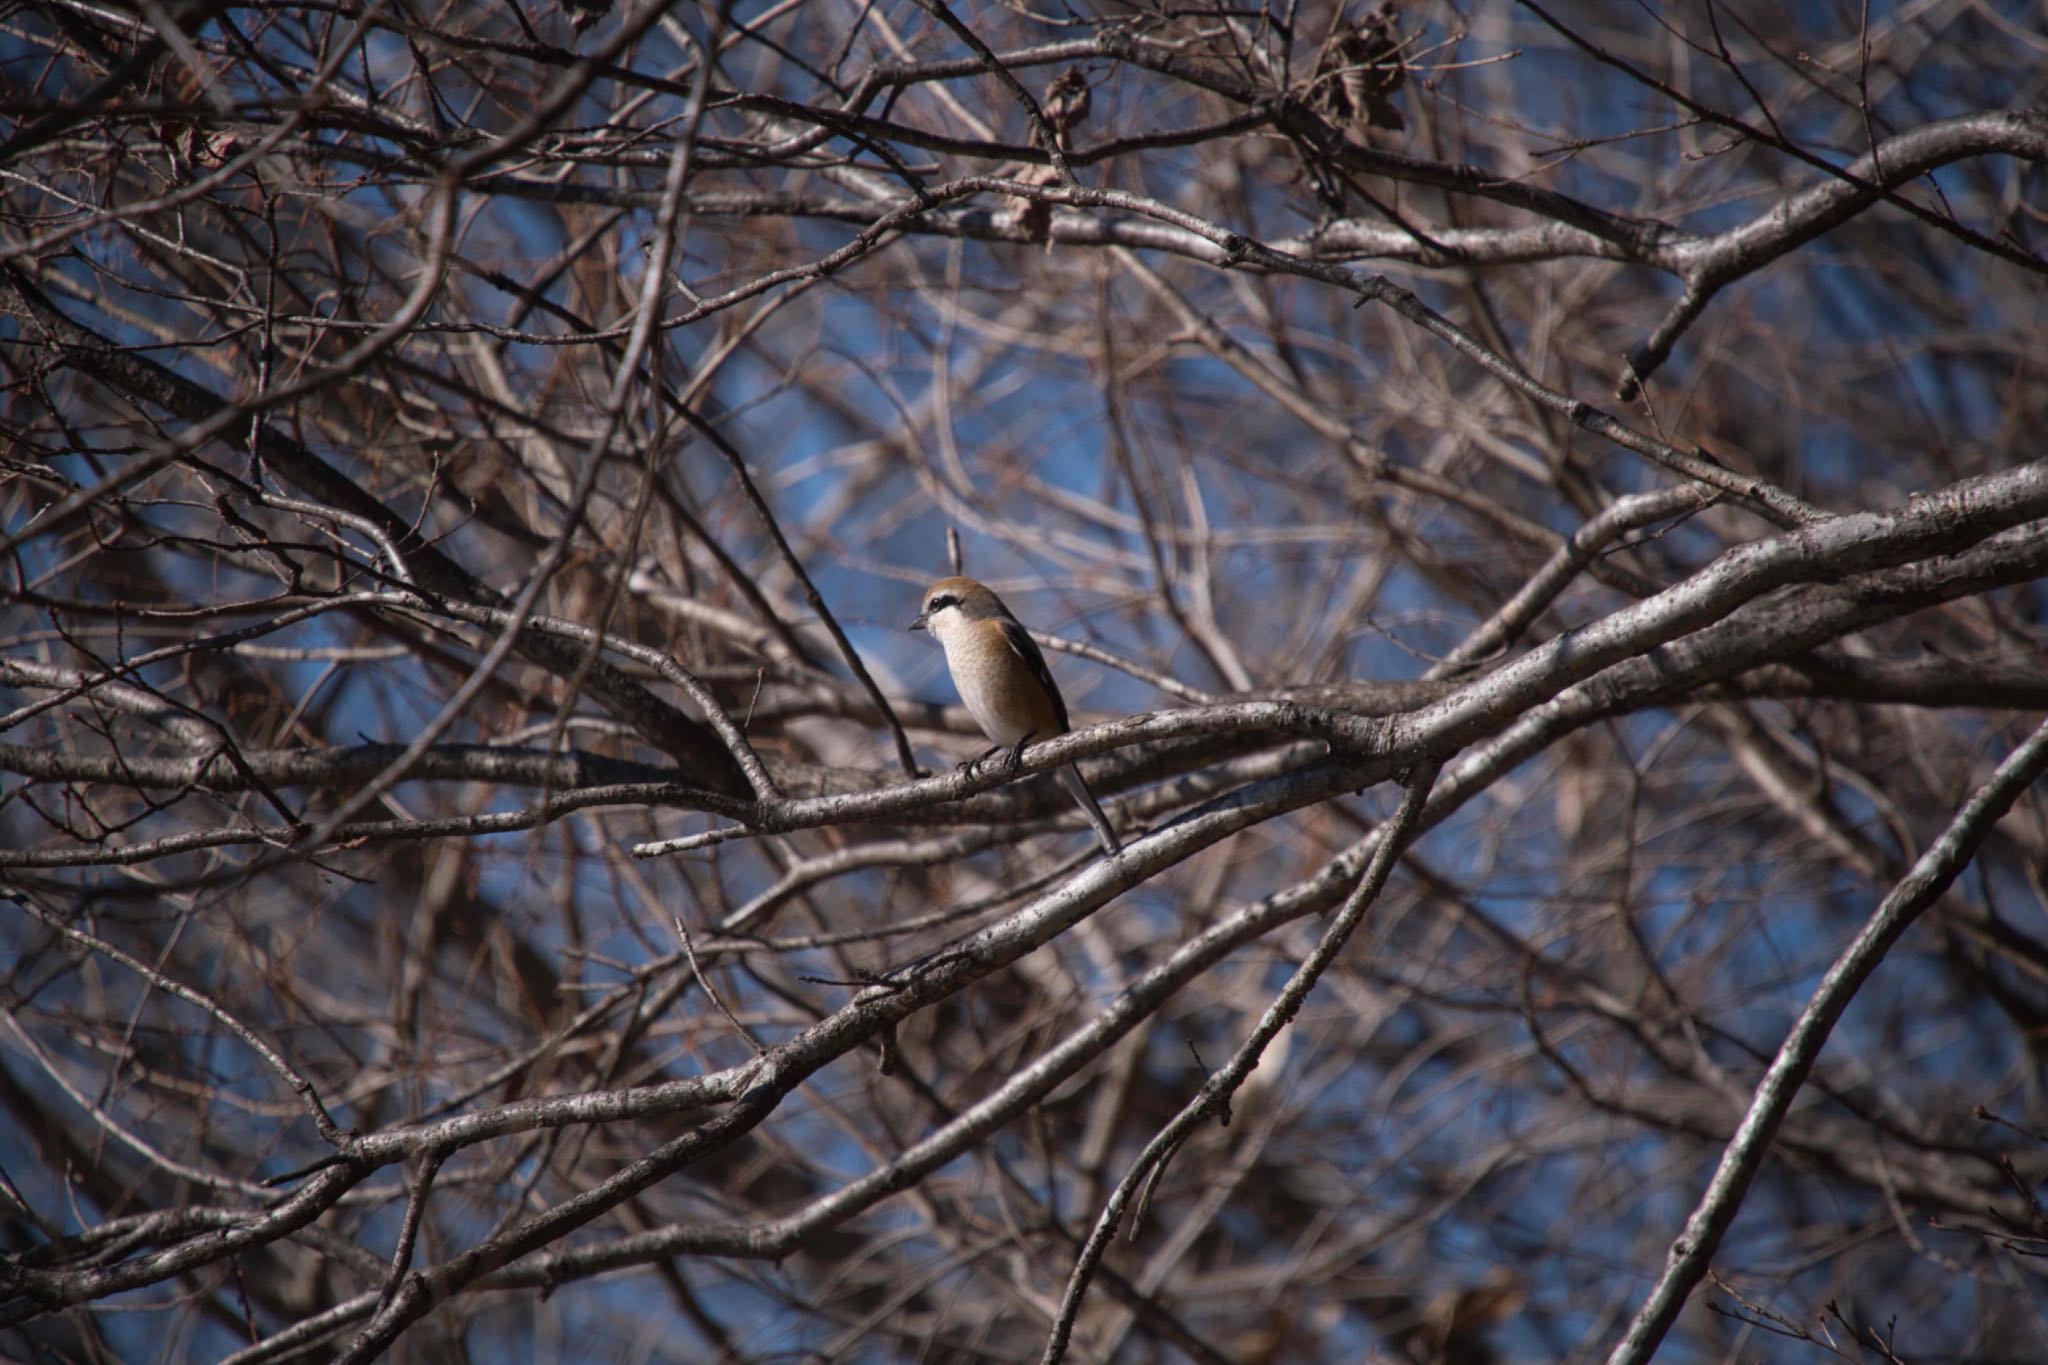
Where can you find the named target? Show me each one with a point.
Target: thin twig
(409, 1231)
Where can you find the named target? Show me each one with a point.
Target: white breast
(996, 686)
(980, 665)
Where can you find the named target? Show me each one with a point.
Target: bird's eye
(940, 603)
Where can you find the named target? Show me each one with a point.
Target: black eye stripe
(941, 603)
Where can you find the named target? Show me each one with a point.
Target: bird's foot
(969, 765)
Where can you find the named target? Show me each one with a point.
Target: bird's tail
(1070, 778)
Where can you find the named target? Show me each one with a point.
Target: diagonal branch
(1214, 1096)
(1937, 868)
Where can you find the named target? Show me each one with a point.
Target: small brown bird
(1003, 679)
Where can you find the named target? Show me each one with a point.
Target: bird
(1003, 679)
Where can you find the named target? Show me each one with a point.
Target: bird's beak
(918, 624)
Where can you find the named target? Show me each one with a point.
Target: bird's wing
(1020, 640)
